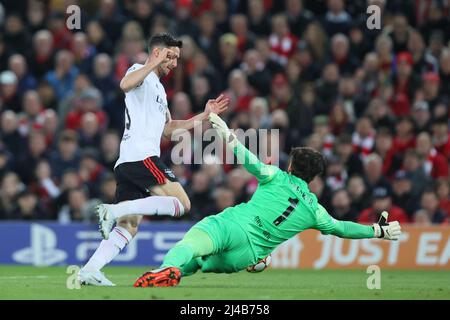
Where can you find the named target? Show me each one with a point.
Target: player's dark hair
(306, 163)
(165, 40)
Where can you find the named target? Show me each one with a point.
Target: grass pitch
(23, 282)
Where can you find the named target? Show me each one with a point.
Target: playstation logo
(42, 250)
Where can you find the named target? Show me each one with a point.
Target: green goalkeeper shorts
(232, 251)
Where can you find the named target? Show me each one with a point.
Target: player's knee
(186, 204)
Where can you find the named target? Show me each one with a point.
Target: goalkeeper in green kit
(281, 207)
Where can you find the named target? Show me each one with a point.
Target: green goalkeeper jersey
(281, 207)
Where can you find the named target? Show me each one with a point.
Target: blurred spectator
(424, 61)
(336, 18)
(260, 110)
(10, 98)
(90, 102)
(429, 202)
(15, 32)
(327, 86)
(240, 93)
(45, 186)
(108, 189)
(421, 218)
(98, 37)
(413, 165)
(41, 59)
(363, 138)
(431, 83)
(11, 186)
(109, 148)
(443, 193)
(10, 136)
(343, 148)
(67, 155)
(259, 22)
(359, 195)
(435, 164)
(89, 131)
(62, 77)
(77, 208)
(382, 201)
(246, 38)
(336, 175)
(258, 74)
(91, 172)
(32, 116)
(28, 206)
(380, 115)
(229, 55)
(421, 116)
(373, 171)
(281, 96)
(282, 42)
(236, 181)
(322, 192)
(37, 151)
(403, 195)
(441, 137)
(444, 73)
(184, 24)
(18, 65)
(341, 56)
(200, 195)
(110, 18)
(298, 16)
(223, 198)
(341, 206)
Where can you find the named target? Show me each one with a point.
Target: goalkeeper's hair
(164, 40)
(306, 163)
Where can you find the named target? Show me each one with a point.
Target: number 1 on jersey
(293, 204)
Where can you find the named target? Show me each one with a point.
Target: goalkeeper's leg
(195, 244)
(182, 260)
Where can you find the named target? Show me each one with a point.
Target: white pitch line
(25, 277)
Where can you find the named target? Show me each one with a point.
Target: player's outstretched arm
(264, 173)
(134, 78)
(217, 105)
(351, 230)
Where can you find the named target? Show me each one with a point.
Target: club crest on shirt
(162, 105)
(169, 173)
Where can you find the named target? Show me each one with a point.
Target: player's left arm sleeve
(342, 229)
(263, 172)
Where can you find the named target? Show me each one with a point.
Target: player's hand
(164, 56)
(222, 128)
(387, 230)
(217, 106)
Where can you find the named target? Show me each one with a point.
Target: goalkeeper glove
(386, 230)
(223, 130)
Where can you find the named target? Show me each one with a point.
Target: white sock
(155, 205)
(108, 249)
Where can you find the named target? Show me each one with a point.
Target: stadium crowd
(375, 102)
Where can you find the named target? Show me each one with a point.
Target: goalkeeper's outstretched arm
(351, 230)
(264, 173)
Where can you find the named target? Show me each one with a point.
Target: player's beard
(163, 71)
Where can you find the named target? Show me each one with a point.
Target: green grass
(20, 282)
